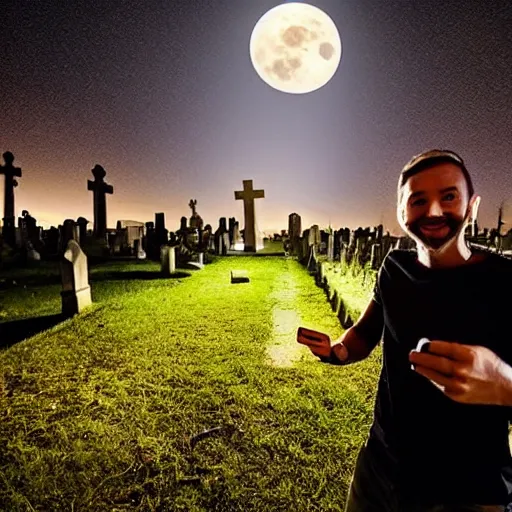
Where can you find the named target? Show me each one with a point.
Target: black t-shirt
(443, 451)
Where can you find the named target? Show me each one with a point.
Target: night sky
(164, 96)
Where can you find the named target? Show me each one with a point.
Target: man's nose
(434, 209)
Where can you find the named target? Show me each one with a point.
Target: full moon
(295, 48)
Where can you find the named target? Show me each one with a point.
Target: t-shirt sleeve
(376, 289)
(378, 280)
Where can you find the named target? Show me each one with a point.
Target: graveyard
(146, 369)
(100, 411)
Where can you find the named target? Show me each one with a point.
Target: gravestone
(221, 238)
(314, 240)
(76, 292)
(32, 254)
(375, 260)
(139, 252)
(160, 231)
(52, 241)
(330, 246)
(231, 233)
(237, 237)
(68, 231)
(248, 195)
(294, 231)
(195, 222)
(82, 229)
(239, 276)
(168, 260)
(99, 189)
(11, 173)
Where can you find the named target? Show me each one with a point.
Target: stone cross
(248, 195)
(10, 172)
(100, 189)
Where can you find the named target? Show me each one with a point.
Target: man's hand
(465, 373)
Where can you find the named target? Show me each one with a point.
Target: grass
(98, 412)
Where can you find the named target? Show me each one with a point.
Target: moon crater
(326, 51)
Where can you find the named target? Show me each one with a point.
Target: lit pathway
(284, 350)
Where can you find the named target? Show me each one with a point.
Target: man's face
(435, 203)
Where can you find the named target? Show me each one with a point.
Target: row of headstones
(360, 246)
(38, 243)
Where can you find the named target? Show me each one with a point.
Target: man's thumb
(340, 351)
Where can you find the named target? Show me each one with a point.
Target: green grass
(97, 413)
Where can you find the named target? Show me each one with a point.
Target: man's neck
(454, 256)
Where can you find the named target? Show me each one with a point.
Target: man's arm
(358, 342)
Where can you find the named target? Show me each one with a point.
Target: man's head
(436, 199)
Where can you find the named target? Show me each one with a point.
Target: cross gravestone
(248, 195)
(10, 172)
(99, 189)
(195, 220)
(76, 292)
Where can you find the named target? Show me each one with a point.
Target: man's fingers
(441, 381)
(451, 350)
(434, 362)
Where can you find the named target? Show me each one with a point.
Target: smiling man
(439, 439)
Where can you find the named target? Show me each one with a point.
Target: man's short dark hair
(428, 159)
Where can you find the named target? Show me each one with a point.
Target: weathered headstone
(76, 292)
(99, 189)
(168, 260)
(294, 231)
(239, 276)
(248, 195)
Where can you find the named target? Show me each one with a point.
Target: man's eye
(449, 197)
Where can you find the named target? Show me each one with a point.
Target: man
(439, 439)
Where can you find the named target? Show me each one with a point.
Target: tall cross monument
(100, 189)
(248, 195)
(10, 172)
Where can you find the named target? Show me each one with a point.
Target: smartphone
(318, 342)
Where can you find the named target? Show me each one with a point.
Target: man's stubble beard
(437, 246)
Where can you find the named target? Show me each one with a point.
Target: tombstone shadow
(29, 281)
(19, 330)
(142, 275)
